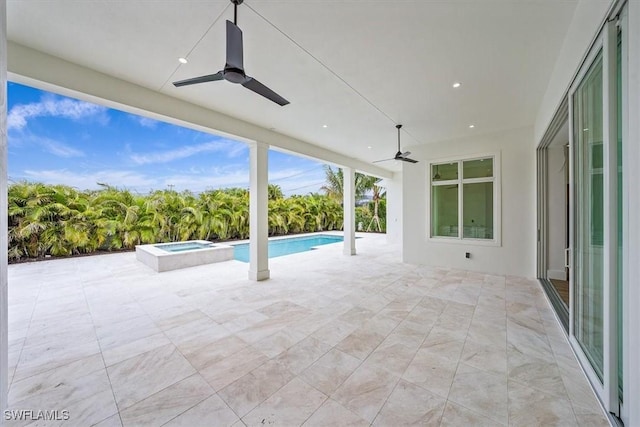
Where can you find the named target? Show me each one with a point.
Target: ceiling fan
(234, 68)
(399, 155)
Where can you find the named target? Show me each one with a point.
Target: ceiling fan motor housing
(234, 75)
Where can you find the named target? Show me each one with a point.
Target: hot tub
(172, 256)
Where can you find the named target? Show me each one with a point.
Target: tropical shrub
(57, 220)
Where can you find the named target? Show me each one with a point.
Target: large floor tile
(365, 391)
(292, 405)
(141, 376)
(360, 343)
(331, 413)
(481, 391)
(161, 407)
(66, 384)
(528, 406)
(411, 405)
(432, 372)
(458, 416)
(330, 371)
(233, 367)
(254, 388)
(388, 343)
(211, 411)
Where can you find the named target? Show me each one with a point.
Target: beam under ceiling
(35, 68)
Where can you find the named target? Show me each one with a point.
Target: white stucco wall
(516, 254)
(394, 208)
(588, 16)
(631, 265)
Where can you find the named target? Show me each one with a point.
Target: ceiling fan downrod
(398, 127)
(235, 10)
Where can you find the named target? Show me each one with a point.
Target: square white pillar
(349, 208)
(258, 211)
(631, 240)
(4, 300)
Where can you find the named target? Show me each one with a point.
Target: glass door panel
(589, 210)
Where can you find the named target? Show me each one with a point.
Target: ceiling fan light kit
(233, 70)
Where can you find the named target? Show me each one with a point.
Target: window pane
(481, 168)
(444, 171)
(478, 210)
(589, 256)
(444, 211)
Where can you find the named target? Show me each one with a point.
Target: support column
(4, 300)
(631, 240)
(258, 211)
(349, 209)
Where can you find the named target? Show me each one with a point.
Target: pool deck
(328, 340)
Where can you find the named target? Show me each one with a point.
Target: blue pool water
(288, 246)
(186, 246)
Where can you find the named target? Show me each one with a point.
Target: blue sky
(59, 140)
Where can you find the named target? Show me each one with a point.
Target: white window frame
(460, 181)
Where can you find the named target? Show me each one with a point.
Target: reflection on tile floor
(328, 341)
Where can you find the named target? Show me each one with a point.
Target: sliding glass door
(596, 106)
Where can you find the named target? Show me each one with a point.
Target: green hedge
(58, 220)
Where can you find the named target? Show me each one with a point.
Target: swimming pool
(184, 246)
(292, 245)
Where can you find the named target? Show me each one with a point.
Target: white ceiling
(357, 66)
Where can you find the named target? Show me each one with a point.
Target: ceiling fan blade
(260, 89)
(385, 160)
(406, 153)
(406, 159)
(234, 47)
(201, 79)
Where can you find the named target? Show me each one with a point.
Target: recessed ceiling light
(457, 85)
(182, 60)
(472, 126)
(325, 126)
(369, 147)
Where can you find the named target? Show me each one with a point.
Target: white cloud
(146, 122)
(52, 106)
(230, 148)
(57, 148)
(89, 180)
(195, 181)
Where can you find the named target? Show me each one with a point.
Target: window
(463, 199)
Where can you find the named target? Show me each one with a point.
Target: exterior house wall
(394, 208)
(587, 18)
(515, 255)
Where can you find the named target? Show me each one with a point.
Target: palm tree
(60, 220)
(30, 213)
(275, 192)
(334, 184)
(378, 194)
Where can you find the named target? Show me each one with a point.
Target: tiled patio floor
(329, 341)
